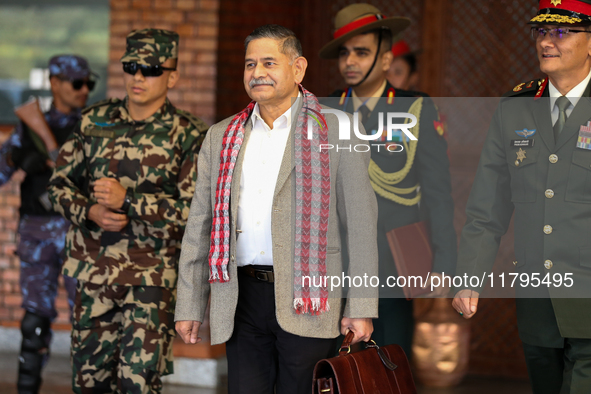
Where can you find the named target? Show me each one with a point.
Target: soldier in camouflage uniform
(42, 231)
(125, 179)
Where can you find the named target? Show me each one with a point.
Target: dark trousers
(564, 370)
(395, 324)
(261, 355)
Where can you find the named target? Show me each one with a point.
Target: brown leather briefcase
(375, 370)
(411, 248)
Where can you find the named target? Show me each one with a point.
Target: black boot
(34, 350)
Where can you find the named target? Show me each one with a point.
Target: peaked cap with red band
(563, 12)
(356, 19)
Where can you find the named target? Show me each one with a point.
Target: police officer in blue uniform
(42, 231)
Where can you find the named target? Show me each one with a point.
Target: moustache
(260, 81)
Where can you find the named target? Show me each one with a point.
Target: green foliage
(31, 35)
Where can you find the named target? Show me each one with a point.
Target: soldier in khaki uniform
(547, 185)
(400, 180)
(125, 179)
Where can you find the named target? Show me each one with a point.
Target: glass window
(32, 31)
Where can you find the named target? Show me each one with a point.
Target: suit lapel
(543, 119)
(288, 162)
(580, 116)
(236, 177)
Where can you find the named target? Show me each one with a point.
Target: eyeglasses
(147, 71)
(78, 83)
(558, 33)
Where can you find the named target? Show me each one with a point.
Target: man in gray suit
(268, 204)
(548, 186)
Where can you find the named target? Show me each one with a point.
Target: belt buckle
(261, 275)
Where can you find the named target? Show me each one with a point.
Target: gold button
(516, 162)
(547, 229)
(553, 158)
(548, 264)
(549, 193)
(515, 263)
(232, 257)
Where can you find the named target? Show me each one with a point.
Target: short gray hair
(289, 45)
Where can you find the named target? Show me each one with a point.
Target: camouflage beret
(151, 47)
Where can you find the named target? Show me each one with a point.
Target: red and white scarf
(311, 210)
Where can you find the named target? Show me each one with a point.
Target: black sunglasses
(78, 83)
(147, 71)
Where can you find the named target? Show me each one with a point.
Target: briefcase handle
(346, 349)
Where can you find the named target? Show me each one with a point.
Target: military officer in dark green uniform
(536, 163)
(401, 179)
(125, 180)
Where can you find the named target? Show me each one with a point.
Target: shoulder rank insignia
(524, 87)
(519, 87)
(525, 133)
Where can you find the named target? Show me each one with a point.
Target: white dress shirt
(260, 168)
(573, 96)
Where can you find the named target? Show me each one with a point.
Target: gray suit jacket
(353, 205)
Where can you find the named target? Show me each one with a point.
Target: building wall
(196, 21)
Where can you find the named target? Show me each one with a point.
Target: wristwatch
(127, 200)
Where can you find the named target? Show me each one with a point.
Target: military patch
(525, 133)
(520, 156)
(98, 132)
(584, 139)
(391, 94)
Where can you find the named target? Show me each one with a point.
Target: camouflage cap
(151, 47)
(70, 67)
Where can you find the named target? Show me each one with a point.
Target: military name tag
(522, 143)
(584, 140)
(98, 132)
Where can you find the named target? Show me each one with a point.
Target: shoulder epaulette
(109, 101)
(525, 87)
(200, 125)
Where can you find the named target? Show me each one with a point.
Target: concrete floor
(57, 381)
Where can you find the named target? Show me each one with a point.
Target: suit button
(553, 158)
(515, 263)
(549, 193)
(232, 257)
(547, 229)
(548, 264)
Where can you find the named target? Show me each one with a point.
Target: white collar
(285, 117)
(573, 95)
